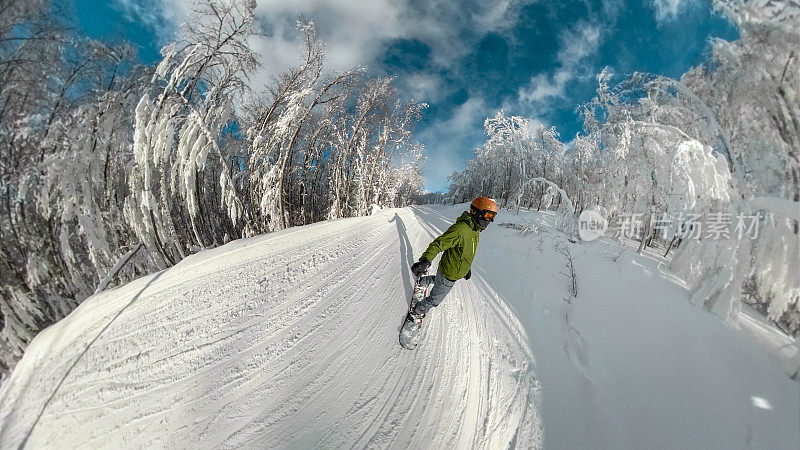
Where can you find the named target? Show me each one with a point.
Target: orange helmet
(484, 208)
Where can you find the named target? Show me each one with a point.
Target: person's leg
(441, 287)
(423, 287)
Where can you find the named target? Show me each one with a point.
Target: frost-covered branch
(117, 267)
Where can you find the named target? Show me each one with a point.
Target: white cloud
(161, 16)
(449, 141)
(465, 116)
(667, 10)
(540, 88)
(421, 86)
(354, 31)
(576, 45)
(451, 28)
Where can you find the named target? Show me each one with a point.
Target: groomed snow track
(284, 340)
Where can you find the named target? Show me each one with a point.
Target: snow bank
(629, 362)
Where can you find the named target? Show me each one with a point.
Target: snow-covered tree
(63, 117)
(177, 129)
(109, 170)
(724, 140)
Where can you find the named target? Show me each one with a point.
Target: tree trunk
(645, 233)
(669, 247)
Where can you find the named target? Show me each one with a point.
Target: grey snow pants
(441, 287)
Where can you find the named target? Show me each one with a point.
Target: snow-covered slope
(290, 339)
(629, 362)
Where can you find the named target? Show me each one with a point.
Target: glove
(420, 267)
(468, 275)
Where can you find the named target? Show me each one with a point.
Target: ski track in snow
(287, 339)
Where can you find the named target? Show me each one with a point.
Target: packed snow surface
(291, 340)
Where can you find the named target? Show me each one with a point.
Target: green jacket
(459, 244)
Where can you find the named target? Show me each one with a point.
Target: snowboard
(410, 333)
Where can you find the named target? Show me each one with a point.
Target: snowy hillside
(286, 339)
(290, 339)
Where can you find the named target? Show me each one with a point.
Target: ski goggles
(488, 215)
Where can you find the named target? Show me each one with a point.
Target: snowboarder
(459, 244)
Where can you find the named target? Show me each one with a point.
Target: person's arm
(448, 239)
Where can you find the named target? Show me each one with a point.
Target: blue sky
(466, 59)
